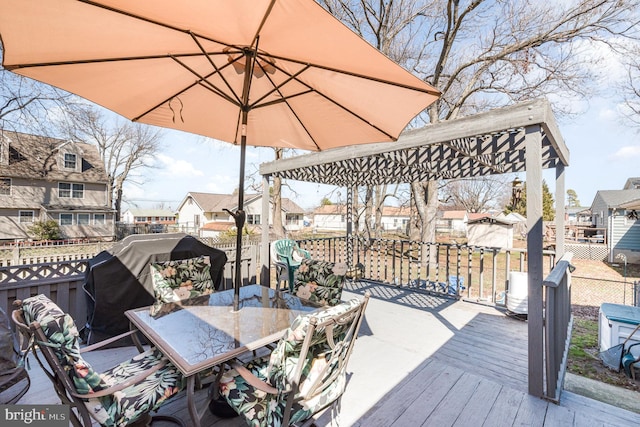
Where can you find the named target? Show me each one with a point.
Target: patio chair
(123, 395)
(304, 375)
(14, 379)
(631, 360)
(181, 279)
(320, 281)
(286, 255)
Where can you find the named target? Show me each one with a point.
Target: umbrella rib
(362, 76)
(276, 87)
(312, 90)
(202, 80)
(215, 67)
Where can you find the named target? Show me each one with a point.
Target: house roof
(618, 198)
(212, 202)
(330, 210)
(489, 220)
(68, 208)
(453, 214)
(632, 183)
(477, 215)
(35, 157)
(396, 211)
(215, 202)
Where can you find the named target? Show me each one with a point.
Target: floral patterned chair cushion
(122, 407)
(181, 279)
(278, 370)
(320, 281)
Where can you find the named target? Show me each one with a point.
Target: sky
(603, 154)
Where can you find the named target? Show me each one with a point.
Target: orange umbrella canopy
(271, 73)
(182, 64)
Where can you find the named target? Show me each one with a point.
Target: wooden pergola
(520, 138)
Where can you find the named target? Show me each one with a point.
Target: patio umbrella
(270, 73)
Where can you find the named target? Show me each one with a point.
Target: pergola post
(533, 147)
(265, 278)
(560, 211)
(350, 217)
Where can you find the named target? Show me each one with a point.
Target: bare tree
(484, 54)
(28, 106)
(630, 86)
(476, 195)
(125, 147)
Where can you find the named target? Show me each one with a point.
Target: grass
(583, 356)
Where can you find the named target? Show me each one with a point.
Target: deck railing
(62, 281)
(557, 326)
(483, 272)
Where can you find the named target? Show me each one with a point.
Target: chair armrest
(121, 386)
(252, 379)
(107, 341)
(628, 351)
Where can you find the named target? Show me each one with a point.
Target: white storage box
(616, 323)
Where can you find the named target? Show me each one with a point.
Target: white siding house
(205, 213)
(618, 211)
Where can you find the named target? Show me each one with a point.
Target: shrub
(45, 230)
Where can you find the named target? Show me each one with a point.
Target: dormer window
(70, 161)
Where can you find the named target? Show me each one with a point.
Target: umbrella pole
(239, 217)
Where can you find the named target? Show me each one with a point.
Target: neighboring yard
(594, 283)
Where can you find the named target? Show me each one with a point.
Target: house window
(78, 191)
(99, 219)
(253, 219)
(83, 219)
(25, 216)
(68, 190)
(5, 186)
(66, 219)
(69, 161)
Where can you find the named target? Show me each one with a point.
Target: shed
(489, 231)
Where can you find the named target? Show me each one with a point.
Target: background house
(149, 216)
(452, 222)
(205, 213)
(334, 218)
(618, 212)
(330, 218)
(395, 218)
(45, 178)
(151, 220)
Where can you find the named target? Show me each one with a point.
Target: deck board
(420, 360)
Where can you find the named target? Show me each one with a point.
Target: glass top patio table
(202, 332)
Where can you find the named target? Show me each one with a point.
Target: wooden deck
(423, 360)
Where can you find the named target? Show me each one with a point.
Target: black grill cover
(119, 279)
